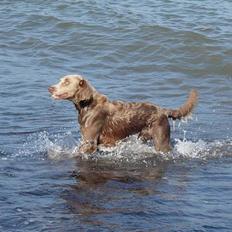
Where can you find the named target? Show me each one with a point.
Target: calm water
(152, 51)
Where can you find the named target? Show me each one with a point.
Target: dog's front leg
(91, 130)
(88, 147)
(91, 133)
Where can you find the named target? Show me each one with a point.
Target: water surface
(153, 51)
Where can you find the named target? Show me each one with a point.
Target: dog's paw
(87, 149)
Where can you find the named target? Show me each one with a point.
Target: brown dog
(105, 122)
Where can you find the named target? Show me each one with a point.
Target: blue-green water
(152, 51)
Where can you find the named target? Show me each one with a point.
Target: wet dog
(105, 122)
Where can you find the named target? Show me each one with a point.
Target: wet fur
(105, 122)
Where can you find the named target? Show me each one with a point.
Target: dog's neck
(83, 104)
(88, 104)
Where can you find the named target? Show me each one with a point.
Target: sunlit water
(153, 51)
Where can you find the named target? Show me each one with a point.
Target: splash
(63, 146)
(130, 149)
(42, 145)
(135, 150)
(203, 150)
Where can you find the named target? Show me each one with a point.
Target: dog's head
(72, 87)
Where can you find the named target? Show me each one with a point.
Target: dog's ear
(85, 91)
(82, 83)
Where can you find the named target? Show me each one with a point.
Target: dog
(105, 122)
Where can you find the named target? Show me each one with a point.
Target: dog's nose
(51, 89)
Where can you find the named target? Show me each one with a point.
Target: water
(152, 51)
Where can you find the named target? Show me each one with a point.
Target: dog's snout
(51, 89)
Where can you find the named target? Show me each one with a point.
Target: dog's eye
(66, 82)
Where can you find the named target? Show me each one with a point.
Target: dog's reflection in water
(104, 188)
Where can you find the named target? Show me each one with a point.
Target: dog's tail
(186, 109)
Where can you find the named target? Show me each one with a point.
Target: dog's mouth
(60, 96)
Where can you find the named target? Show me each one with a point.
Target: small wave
(3, 154)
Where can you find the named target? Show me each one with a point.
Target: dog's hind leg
(161, 134)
